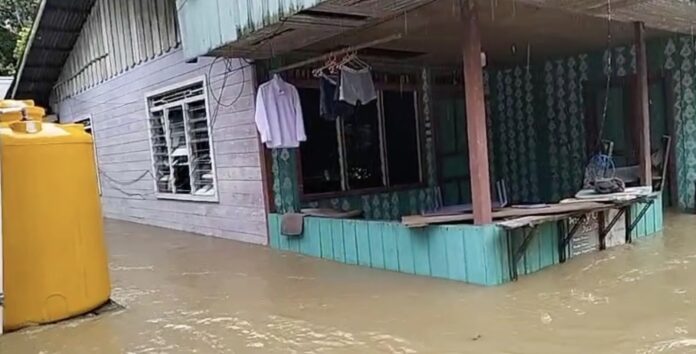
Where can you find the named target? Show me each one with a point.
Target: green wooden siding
(464, 253)
(652, 222)
(210, 24)
(472, 254)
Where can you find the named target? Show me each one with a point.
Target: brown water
(190, 294)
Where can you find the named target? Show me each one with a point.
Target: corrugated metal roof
(56, 29)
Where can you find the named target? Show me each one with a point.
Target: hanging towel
(327, 104)
(357, 86)
(279, 114)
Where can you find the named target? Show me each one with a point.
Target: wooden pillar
(642, 118)
(476, 115)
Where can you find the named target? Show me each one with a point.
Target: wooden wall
(119, 118)
(472, 254)
(117, 36)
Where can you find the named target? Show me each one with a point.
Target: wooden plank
(421, 253)
(273, 227)
(529, 221)
(650, 227)
(283, 241)
(643, 105)
(474, 257)
(495, 247)
(476, 115)
(456, 265)
(549, 242)
(294, 243)
(350, 244)
(437, 249)
(312, 238)
(376, 246)
(659, 214)
(419, 220)
(337, 239)
(391, 253)
(326, 239)
(362, 237)
(405, 250)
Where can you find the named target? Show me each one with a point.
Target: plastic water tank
(55, 261)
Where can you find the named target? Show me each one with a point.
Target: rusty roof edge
(27, 49)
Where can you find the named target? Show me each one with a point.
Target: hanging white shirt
(279, 114)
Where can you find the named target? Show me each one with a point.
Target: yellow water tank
(55, 262)
(13, 110)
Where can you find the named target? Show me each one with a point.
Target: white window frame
(214, 198)
(94, 146)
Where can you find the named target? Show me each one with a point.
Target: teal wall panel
(391, 254)
(421, 251)
(363, 240)
(326, 240)
(312, 244)
(338, 242)
(374, 230)
(454, 249)
(473, 254)
(350, 243)
(437, 251)
(405, 249)
(652, 222)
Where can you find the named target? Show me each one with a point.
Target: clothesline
(337, 53)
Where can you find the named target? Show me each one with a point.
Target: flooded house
(446, 138)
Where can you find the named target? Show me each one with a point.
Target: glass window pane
(321, 171)
(199, 141)
(363, 155)
(160, 152)
(178, 150)
(401, 132)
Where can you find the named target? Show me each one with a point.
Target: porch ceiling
(668, 15)
(328, 19)
(511, 31)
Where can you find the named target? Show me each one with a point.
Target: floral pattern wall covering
(536, 130)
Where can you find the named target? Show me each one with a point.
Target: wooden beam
(642, 118)
(476, 115)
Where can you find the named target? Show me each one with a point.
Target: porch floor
(185, 294)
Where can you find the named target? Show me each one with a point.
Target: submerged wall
(472, 254)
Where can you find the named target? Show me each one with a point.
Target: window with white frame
(182, 151)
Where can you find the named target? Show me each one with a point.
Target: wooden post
(476, 115)
(643, 106)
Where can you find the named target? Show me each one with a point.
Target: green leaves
(16, 18)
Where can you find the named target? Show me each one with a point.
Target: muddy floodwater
(191, 294)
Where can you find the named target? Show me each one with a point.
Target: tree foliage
(16, 17)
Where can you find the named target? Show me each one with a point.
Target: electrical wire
(118, 185)
(127, 183)
(609, 73)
